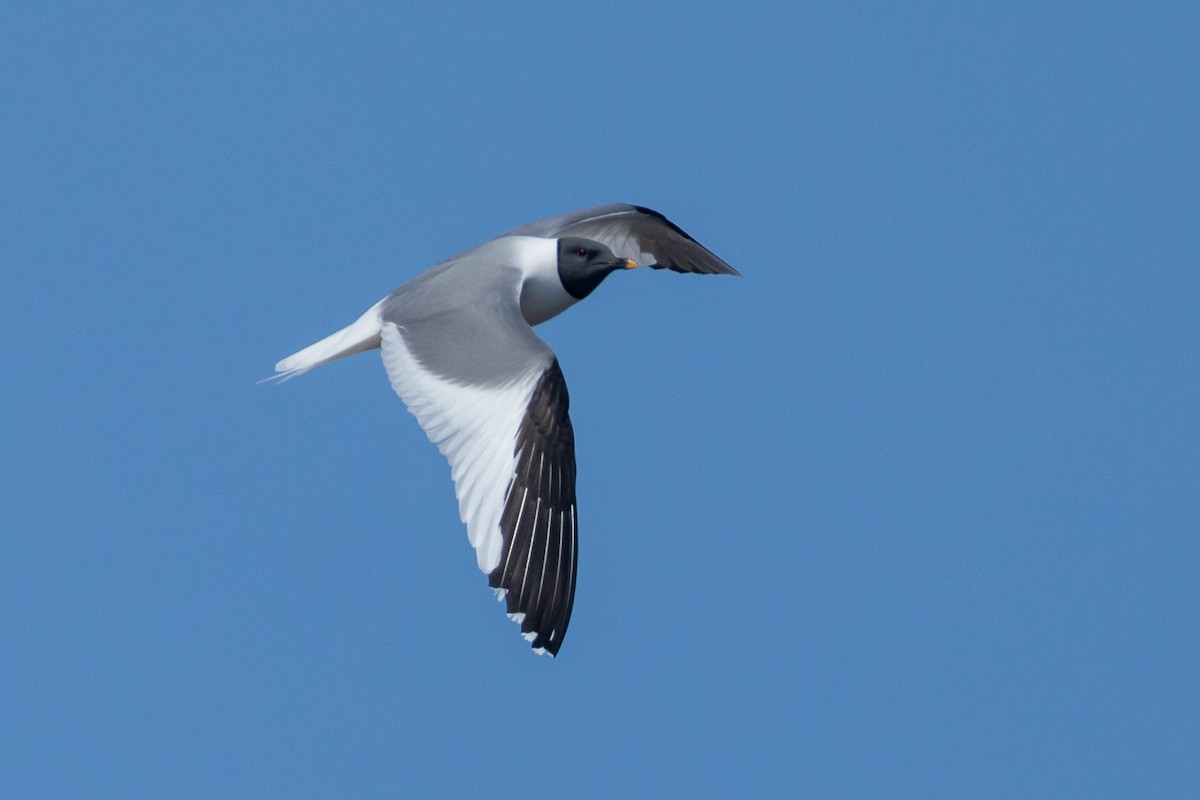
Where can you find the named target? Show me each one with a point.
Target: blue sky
(910, 509)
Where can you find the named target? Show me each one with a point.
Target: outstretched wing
(488, 392)
(633, 232)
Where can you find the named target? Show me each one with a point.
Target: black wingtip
(721, 269)
(537, 568)
(708, 263)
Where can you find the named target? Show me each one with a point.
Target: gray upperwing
(462, 320)
(634, 232)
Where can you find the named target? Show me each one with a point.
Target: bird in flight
(460, 351)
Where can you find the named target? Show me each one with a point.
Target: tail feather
(362, 334)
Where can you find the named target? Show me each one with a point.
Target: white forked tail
(362, 334)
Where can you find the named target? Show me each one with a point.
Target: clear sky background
(911, 509)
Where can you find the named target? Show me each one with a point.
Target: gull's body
(460, 350)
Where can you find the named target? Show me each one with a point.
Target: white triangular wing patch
(476, 430)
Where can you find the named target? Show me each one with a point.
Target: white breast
(542, 292)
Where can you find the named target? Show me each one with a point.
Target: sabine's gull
(460, 351)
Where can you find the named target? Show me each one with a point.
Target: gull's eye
(581, 252)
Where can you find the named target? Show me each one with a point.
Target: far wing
(633, 232)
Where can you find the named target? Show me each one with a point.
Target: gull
(459, 349)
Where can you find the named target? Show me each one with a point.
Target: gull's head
(583, 263)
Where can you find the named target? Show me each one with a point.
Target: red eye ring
(581, 252)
